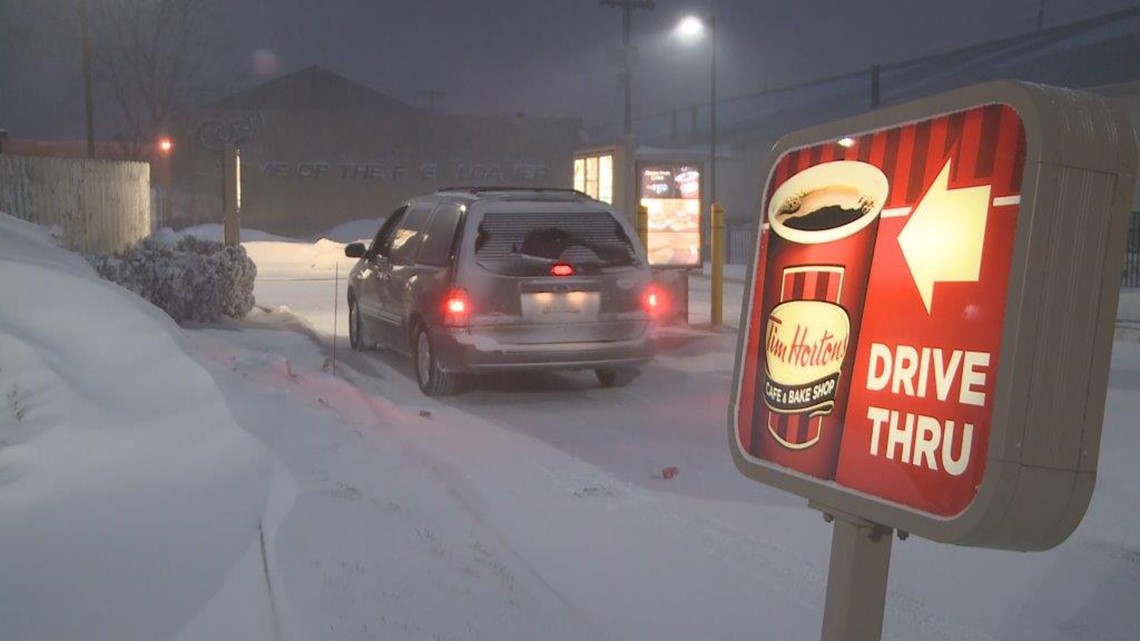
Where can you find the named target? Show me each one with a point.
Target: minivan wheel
(433, 381)
(615, 376)
(355, 329)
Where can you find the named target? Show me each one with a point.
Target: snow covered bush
(193, 280)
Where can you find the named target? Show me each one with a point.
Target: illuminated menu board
(671, 193)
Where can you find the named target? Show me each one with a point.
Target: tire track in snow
(904, 614)
(905, 617)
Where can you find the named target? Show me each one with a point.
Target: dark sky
(540, 57)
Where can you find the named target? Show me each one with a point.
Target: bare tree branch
(152, 56)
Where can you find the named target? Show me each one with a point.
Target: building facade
(317, 150)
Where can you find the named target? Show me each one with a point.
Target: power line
(1046, 32)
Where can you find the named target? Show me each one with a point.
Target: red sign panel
(875, 321)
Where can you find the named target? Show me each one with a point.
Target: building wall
(101, 206)
(740, 183)
(306, 171)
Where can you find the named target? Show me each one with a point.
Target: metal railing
(1131, 276)
(738, 239)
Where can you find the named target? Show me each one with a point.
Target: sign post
(231, 194)
(856, 579)
(929, 321)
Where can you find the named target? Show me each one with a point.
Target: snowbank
(128, 495)
(353, 231)
(215, 232)
(300, 260)
(286, 257)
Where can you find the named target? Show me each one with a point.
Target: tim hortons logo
(805, 343)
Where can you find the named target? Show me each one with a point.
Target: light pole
(165, 151)
(691, 27)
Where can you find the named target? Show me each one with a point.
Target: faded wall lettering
(398, 171)
(215, 133)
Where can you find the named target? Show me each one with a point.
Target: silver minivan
(488, 279)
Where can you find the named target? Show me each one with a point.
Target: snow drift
(128, 495)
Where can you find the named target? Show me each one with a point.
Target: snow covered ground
(231, 482)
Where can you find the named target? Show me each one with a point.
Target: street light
(693, 27)
(690, 27)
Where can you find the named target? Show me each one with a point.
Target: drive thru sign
(930, 314)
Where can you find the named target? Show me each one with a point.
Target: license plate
(555, 307)
(568, 303)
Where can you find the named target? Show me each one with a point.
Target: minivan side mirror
(355, 250)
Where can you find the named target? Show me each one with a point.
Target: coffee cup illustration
(822, 227)
(688, 183)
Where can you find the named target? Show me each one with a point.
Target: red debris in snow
(669, 472)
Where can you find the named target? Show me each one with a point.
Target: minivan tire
(360, 336)
(615, 376)
(433, 381)
(355, 338)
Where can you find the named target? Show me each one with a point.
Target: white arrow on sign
(942, 241)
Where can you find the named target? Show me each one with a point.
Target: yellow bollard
(641, 224)
(717, 303)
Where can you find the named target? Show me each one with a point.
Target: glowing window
(606, 179)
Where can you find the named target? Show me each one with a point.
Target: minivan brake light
(455, 307)
(562, 269)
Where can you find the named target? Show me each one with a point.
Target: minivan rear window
(527, 244)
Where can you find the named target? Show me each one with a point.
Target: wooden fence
(100, 206)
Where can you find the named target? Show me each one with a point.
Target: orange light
(165, 145)
(562, 269)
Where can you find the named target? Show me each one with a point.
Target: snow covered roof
(1092, 53)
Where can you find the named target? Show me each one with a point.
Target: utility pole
(88, 102)
(1041, 15)
(627, 7)
(874, 86)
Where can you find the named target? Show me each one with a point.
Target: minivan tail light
(456, 307)
(562, 269)
(653, 301)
